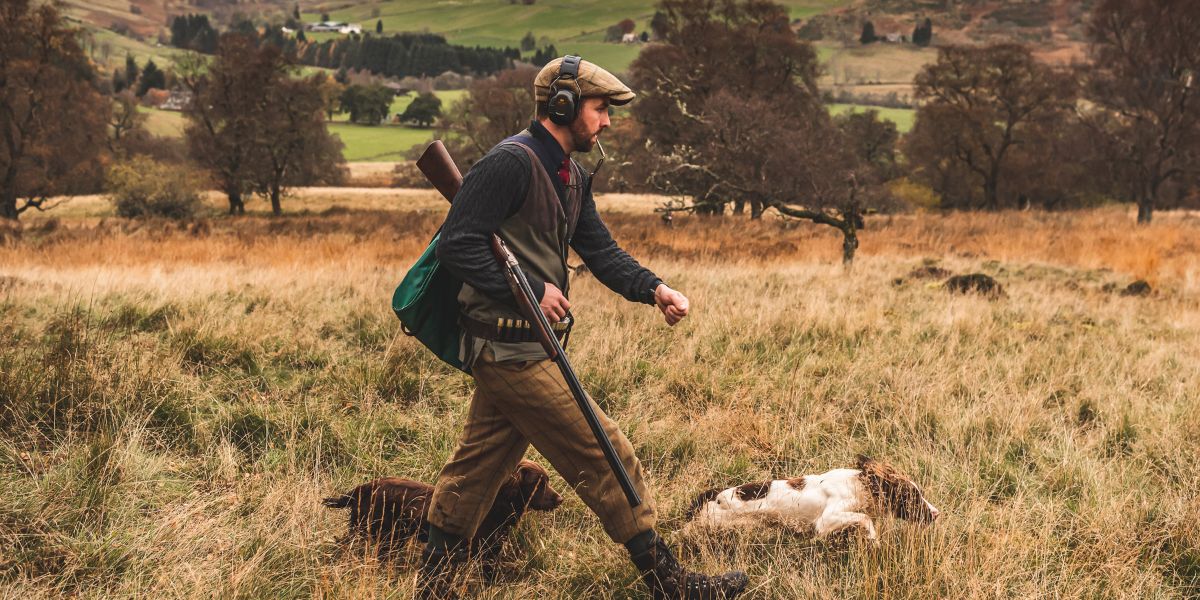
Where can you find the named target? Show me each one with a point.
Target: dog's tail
(704, 498)
(338, 501)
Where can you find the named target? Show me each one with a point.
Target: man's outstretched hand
(674, 305)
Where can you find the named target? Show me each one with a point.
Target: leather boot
(668, 580)
(437, 574)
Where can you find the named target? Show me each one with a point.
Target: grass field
(363, 142)
(902, 117)
(572, 25)
(175, 400)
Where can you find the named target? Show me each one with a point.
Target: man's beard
(581, 138)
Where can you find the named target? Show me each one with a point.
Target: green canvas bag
(427, 303)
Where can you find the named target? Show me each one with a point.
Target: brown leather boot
(668, 580)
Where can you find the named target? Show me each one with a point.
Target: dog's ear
(704, 498)
(862, 462)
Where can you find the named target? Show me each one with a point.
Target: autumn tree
(979, 105)
(1145, 84)
(296, 147)
(749, 128)
(491, 110)
(252, 126)
(52, 115)
(125, 123)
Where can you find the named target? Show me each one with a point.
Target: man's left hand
(674, 305)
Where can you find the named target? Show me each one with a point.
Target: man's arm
(493, 190)
(610, 264)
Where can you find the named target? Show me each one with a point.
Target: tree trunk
(990, 200)
(275, 209)
(1145, 211)
(8, 206)
(739, 206)
(236, 206)
(756, 209)
(849, 245)
(8, 196)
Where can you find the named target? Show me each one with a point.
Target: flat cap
(593, 82)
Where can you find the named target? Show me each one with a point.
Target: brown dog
(389, 512)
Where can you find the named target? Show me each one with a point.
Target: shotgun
(441, 171)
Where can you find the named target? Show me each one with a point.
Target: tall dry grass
(174, 400)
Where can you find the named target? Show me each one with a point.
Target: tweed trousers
(517, 404)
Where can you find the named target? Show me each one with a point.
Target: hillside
(1053, 27)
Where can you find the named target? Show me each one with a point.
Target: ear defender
(563, 104)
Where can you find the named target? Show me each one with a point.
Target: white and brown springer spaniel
(825, 503)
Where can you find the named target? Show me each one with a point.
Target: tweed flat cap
(593, 82)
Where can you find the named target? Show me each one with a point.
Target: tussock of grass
(173, 406)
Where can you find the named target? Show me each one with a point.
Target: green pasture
(110, 49)
(371, 143)
(902, 117)
(571, 25)
(364, 143)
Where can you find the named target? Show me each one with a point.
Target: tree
(659, 24)
(152, 78)
(923, 33)
(528, 42)
(193, 32)
(627, 25)
(978, 105)
(296, 11)
(749, 128)
(368, 104)
(868, 33)
(423, 110)
(872, 140)
(131, 71)
(491, 110)
(118, 81)
(379, 26)
(125, 123)
(1145, 83)
(324, 17)
(51, 113)
(296, 148)
(223, 127)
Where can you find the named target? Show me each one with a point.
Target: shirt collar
(551, 151)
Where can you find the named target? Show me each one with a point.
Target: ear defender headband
(563, 104)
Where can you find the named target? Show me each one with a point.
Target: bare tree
(978, 104)
(1146, 85)
(52, 117)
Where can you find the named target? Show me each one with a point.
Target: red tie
(564, 171)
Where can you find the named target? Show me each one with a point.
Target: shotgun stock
(441, 171)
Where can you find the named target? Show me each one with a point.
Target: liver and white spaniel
(825, 503)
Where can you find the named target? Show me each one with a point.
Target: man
(529, 191)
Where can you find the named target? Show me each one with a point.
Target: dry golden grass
(177, 399)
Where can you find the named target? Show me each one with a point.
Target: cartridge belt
(509, 330)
